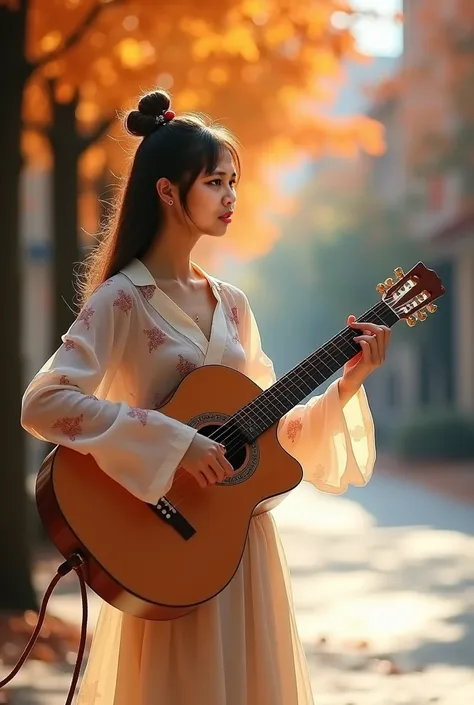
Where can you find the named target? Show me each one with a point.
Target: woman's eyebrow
(221, 173)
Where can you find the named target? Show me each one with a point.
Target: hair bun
(141, 122)
(154, 103)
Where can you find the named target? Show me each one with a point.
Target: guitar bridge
(170, 515)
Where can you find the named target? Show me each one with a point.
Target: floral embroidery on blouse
(140, 414)
(235, 315)
(69, 344)
(185, 366)
(294, 427)
(85, 316)
(70, 426)
(147, 291)
(64, 380)
(236, 339)
(155, 337)
(123, 301)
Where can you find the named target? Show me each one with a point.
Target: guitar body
(137, 559)
(161, 562)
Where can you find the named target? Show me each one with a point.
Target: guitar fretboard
(272, 404)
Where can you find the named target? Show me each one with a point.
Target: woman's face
(211, 199)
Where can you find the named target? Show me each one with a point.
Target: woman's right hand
(205, 461)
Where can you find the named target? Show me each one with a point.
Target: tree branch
(99, 132)
(75, 37)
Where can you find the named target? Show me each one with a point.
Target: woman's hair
(179, 150)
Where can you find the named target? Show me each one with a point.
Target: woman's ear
(165, 190)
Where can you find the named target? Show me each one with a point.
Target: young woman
(149, 316)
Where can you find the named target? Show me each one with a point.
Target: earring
(170, 202)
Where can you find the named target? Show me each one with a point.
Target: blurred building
(435, 369)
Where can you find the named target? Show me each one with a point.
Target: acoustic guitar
(160, 562)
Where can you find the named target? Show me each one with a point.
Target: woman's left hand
(374, 340)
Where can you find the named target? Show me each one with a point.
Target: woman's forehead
(225, 164)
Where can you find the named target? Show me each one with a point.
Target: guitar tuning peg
(389, 282)
(410, 321)
(432, 308)
(422, 315)
(399, 273)
(381, 288)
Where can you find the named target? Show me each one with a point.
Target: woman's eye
(218, 182)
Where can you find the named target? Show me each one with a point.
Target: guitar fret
(272, 404)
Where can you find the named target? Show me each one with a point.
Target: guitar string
(185, 478)
(232, 448)
(274, 396)
(268, 392)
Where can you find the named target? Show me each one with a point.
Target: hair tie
(164, 117)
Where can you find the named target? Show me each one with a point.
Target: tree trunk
(66, 147)
(16, 591)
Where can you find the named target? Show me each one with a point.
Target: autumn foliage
(261, 66)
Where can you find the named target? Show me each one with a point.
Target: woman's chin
(219, 230)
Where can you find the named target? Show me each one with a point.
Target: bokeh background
(357, 125)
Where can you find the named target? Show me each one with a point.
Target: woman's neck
(169, 259)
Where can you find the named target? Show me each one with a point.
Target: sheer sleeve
(334, 444)
(138, 448)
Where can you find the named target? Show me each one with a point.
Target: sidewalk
(449, 478)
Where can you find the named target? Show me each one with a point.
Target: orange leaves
(234, 41)
(252, 64)
(278, 46)
(50, 42)
(322, 61)
(255, 9)
(320, 135)
(195, 27)
(88, 112)
(279, 32)
(219, 75)
(189, 100)
(134, 54)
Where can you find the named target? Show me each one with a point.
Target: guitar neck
(271, 405)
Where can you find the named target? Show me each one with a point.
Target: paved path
(383, 577)
(383, 581)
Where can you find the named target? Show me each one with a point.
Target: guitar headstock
(411, 295)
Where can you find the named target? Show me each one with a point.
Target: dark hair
(178, 150)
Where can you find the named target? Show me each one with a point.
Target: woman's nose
(230, 199)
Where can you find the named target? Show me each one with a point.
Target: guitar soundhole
(235, 446)
(243, 456)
